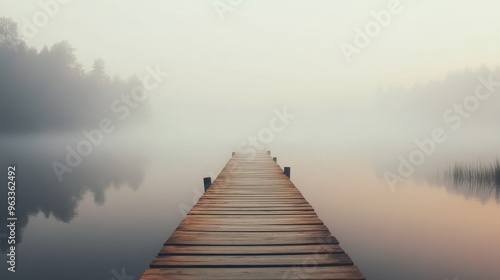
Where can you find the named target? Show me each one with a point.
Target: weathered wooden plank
(215, 207)
(246, 219)
(260, 188)
(262, 273)
(247, 228)
(252, 200)
(253, 196)
(251, 204)
(250, 238)
(237, 184)
(269, 198)
(257, 189)
(251, 260)
(275, 197)
(245, 202)
(244, 192)
(251, 250)
(263, 212)
(255, 200)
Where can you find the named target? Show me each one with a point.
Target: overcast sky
(282, 39)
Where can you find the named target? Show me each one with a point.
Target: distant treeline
(49, 91)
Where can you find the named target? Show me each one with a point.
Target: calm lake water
(110, 216)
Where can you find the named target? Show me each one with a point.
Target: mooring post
(287, 171)
(207, 181)
(275, 159)
(269, 152)
(234, 154)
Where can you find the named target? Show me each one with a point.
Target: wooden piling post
(234, 154)
(275, 159)
(287, 171)
(207, 181)
(269, 152)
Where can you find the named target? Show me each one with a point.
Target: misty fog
(112, 96)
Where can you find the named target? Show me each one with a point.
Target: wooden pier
(252, 223)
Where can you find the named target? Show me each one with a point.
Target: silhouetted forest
(49, 91)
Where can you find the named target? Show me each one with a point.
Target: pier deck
(252, 223)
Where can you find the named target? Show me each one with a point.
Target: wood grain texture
(263, 273)
(252, 223)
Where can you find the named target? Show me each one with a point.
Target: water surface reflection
(40, 191)
(418, 231)
(472, 180)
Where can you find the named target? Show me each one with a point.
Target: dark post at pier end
(287, 171)
(207, 181)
